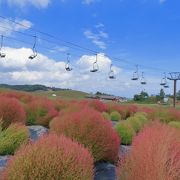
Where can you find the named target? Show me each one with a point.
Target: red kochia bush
(41, 111)
(51, 158)
(89, 128)
(155, 155)
(21, 96)
(11, 111)
(98, 105)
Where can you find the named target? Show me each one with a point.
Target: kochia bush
(11, 111)
(155, 154)
(174, 124)
(126, 132)
(51, 158)
(41, 111)
(89, 128)
(12, 138)
(115, 116)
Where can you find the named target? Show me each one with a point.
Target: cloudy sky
(123, 33)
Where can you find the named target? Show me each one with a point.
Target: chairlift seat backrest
(32, 56)
(143, 82)
(2, 55)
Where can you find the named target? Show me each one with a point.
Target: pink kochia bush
(155, 155)
(11, 111)
(89, 128)
(41, 111)
(50, 158)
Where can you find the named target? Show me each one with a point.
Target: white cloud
(24, 3)
(7, 27)
(16, 68)
(162, 1)
(97, 38)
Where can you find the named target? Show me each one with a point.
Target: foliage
(12, 137)
(135, 123)
(125, 131)
(106, 115)
(155, 154)
(115, 116)
(51, 157)
(89, 128)
(11, 111)
(174, 124)
(141, 97)
(98, 105)
(142, 117)
(40, 111)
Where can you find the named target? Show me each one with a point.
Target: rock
(114, 123)
(3, 161)
(37, 131)
(105, 171)
(124, 149)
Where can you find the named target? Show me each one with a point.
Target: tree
(162, 94)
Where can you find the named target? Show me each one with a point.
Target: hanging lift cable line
(73, 45)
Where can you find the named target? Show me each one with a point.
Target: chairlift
(95, 65)
(166, 84)
(2, 55)
(67, 66)
(135, 74)
(34, 49)
(163, 80)
(143, 82)
(111, 73)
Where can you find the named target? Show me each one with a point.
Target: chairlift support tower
(174, 76)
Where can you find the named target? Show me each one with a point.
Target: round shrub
(51, 157)
(155, 154)
(98, 105)
(11, 111)
(142, 117)
(115, 116)
(106, 116)
(135, 123)
(89, 128)
(126, 132)
(12, 138)
(40, 112)
(174, 124)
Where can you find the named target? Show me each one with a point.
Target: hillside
(45, 91)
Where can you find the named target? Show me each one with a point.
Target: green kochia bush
(115, 116)
(51, 158)
(106, 116)
(126, 132)
(12, 138)
(174, 124)
(135, 123)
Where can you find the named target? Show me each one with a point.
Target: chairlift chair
(2, 55)
(143, 82)
(111, 73)
(67, 66)
(95, 66)
(163, 80)
(135, 74)
(33, 56)
(166, 84)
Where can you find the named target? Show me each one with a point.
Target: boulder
(37, 131)
(105, 171)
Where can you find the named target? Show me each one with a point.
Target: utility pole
(174, 76)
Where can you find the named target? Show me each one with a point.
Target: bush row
(155, 154)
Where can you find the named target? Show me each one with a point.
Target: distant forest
(30, 88)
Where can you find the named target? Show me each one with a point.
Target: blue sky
(144, 32)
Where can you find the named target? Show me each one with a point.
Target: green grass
(64, 94)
